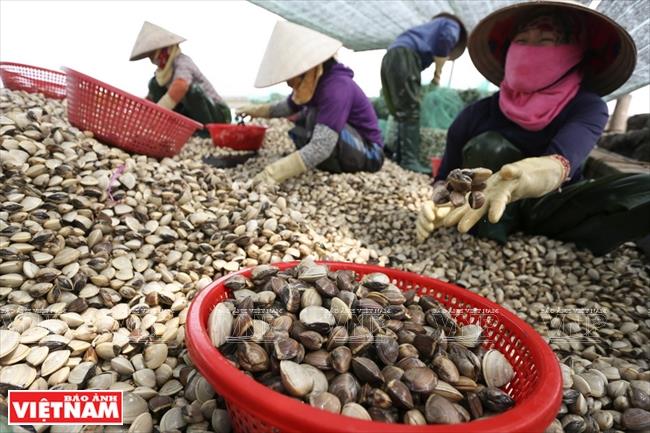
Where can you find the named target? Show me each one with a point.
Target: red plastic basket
(435, 166)
(536, 387)
(238, 137)
(32, 79)
(124, 120)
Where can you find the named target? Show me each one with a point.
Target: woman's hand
(528, 178)
(255, 110)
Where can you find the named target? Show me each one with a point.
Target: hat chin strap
(305, 89)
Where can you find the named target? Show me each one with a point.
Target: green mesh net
(439, 107)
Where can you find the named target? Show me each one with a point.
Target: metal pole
(451, 73)
(618, 121)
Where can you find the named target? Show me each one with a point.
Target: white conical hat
(292, 50)
(151, 38)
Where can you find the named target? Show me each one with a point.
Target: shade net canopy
(373, 24)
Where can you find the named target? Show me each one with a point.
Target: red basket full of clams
(33, 79)
(534, 384)
(124, 120)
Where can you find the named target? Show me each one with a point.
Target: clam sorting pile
(101, 253)
(365, 350)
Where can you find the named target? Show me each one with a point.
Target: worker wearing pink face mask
(553, 60)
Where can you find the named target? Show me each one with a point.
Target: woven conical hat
(610, 55)
(292, 50)
(151, 38)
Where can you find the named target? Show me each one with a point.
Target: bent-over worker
(337, 130)
(441, 39)
(178, 84)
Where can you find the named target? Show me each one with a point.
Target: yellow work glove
(440, 62)
(528, 178)
(281, 170)
(429, 218)
(255, 110)
(167, 102)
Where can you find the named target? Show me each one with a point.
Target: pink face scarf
(539, 82)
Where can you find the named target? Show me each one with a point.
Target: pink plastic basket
(124, 120)
(536, 387)
(33, 79)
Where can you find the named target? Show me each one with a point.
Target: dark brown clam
(359, 340)
(387, 350)
(345, 387)
(340, 359)
(400, 394)
(439, 410)
(337, 337)
(420, 380)
(367, 371)
(252, 357)
(476, 199)
(496, 400)
(319, 359)
(312, 340)
(286, 348)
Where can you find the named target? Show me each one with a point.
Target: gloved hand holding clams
(459, 184)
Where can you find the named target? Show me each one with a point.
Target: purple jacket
(572, 134)
(433, 39)
(339, 100)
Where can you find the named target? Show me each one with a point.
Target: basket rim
(539, 407)
(147, 103)
(215, 126)
(32, 67)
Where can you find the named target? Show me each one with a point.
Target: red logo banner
(65, 407)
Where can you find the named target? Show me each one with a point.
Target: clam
(497, 371)
(420, 380)
(9, 341)
(82, 373)
(54, 361)
(400, 394)
(439, 410)
(317, 318)
(496, 400)
(345, 387)
(18, 375)
(220, 421)
(340, 359)
(367, 371)
(220, 324)
(325, 401)
(355, 410)
(414, 417)
(296, 380)
(469, 335)
(143, 423)
(172, 420)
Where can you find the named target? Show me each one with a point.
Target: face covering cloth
(539, 81)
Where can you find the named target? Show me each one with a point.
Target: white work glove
(429, 218)
(281, 170)
(167, 102)
(255, 110)
(528, 178)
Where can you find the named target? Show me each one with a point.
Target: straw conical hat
(458, 50)
(610, 55)
(151, 38)
(292, 50)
